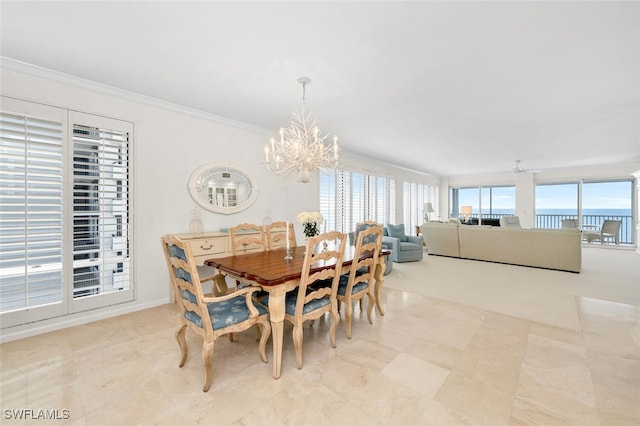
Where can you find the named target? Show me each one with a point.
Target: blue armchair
(404, 248)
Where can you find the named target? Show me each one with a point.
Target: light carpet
(541, 295)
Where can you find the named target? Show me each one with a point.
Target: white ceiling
(447, 88)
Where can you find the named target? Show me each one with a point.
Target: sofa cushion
(397, 231)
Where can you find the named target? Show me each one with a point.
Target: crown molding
(10, 64)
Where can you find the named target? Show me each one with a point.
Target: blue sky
(502, 198)
(596, 195)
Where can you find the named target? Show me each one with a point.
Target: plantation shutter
(31, 211)
(391, 201)
(100, 168)
(358, 201)
(343, 200)
(328, 198)
(381, 198)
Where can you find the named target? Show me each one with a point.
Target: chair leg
(207, 360)
(369, 307)
(335, 320)
(348, 318)
(265, 328)
(297, 343)
(182, 342)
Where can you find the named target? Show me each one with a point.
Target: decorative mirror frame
(195, 187)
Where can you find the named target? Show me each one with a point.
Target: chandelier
(301, 145)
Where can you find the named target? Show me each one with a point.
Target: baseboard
(54, 324)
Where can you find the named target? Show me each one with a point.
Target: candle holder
(288, 255)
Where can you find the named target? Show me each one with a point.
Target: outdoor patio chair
(610, 230)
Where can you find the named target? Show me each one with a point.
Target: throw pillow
(397, 231)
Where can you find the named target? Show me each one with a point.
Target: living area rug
(541, 295)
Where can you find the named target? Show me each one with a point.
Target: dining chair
(276, 235)
(610, 230)
(569, 223)
(309, 303)
(209, 317)
(246, 237)
(359, 282)
(243, 238)
(510, 222)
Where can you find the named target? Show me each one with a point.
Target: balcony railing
(554, 221)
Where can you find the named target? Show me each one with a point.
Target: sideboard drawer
(208, 246)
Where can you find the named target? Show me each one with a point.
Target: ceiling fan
(518, 169)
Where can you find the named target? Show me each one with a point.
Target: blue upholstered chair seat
(290, 304)
(342, 287)
(290, 300)
(222, 314)
(344, 279)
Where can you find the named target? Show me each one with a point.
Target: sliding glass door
(589, 202)
(486, 202)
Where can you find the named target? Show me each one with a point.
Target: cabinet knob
(207, 248)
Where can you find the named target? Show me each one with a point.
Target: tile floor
(426, 362)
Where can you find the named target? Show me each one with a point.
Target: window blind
(100, 210)
(31, 212)
(358, 202)
(349, 197)
(328, 198)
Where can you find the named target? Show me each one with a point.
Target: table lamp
(466, 212)
(426, 209)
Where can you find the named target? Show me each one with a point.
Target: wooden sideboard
(209, 245)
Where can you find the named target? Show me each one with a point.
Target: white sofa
(543, 248)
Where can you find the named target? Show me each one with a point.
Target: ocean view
(587, 212)
(567, 212)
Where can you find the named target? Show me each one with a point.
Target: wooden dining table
(277, 275)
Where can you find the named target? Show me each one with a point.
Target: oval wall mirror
(222, 188)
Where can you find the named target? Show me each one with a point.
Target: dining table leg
(379, 276)
(276, 314)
